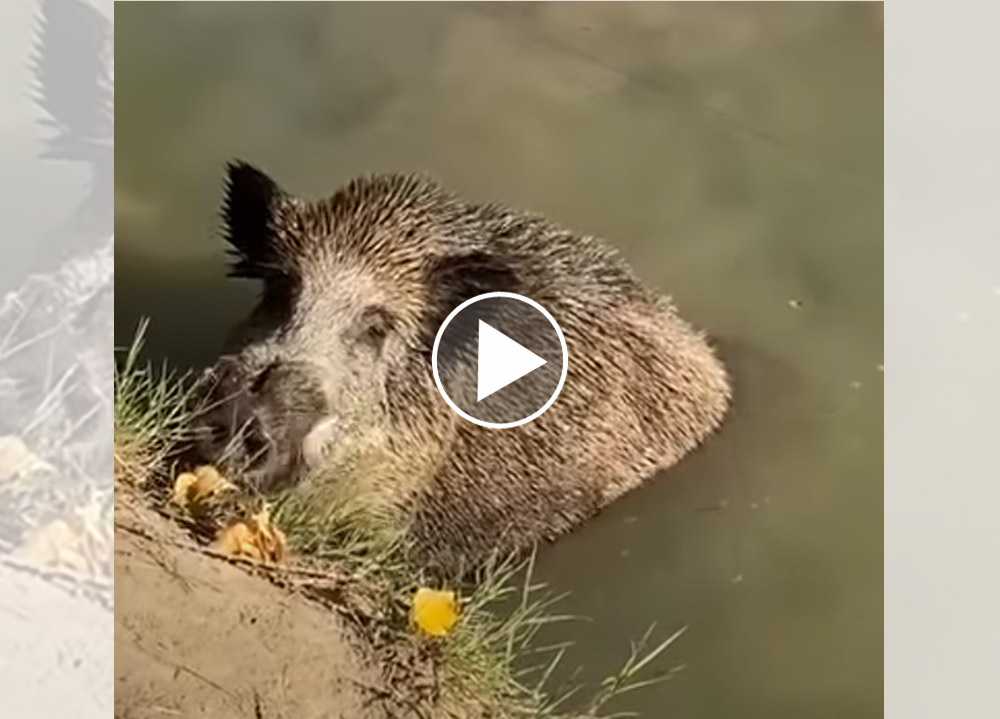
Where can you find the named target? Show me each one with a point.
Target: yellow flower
(434, 611)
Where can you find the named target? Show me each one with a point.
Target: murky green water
(734, 153)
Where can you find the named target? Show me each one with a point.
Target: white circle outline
(562, 344)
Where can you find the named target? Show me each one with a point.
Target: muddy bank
(196, 636)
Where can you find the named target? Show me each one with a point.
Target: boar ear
(457, 278)
(453, 279)
(249, 211)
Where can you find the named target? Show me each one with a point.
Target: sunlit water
(734, 154)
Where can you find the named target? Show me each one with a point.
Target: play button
(499, 360)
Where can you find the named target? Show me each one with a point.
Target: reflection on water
(733, 152)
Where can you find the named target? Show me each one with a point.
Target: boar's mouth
(255, 424)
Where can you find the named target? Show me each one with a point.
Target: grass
(489, 664)
(151, 411)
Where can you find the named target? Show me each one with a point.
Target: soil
(198, 636)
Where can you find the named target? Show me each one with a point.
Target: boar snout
(254, 420)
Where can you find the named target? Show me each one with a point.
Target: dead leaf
(198, 486)
(256, 538)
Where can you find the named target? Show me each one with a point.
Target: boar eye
(374, 326)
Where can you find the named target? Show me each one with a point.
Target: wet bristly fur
(354, 289)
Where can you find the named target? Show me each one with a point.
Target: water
(733, 152)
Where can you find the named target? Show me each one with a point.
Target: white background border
(942, 369)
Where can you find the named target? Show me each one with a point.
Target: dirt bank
(197, 636)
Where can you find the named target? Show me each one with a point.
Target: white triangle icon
(501, 361)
